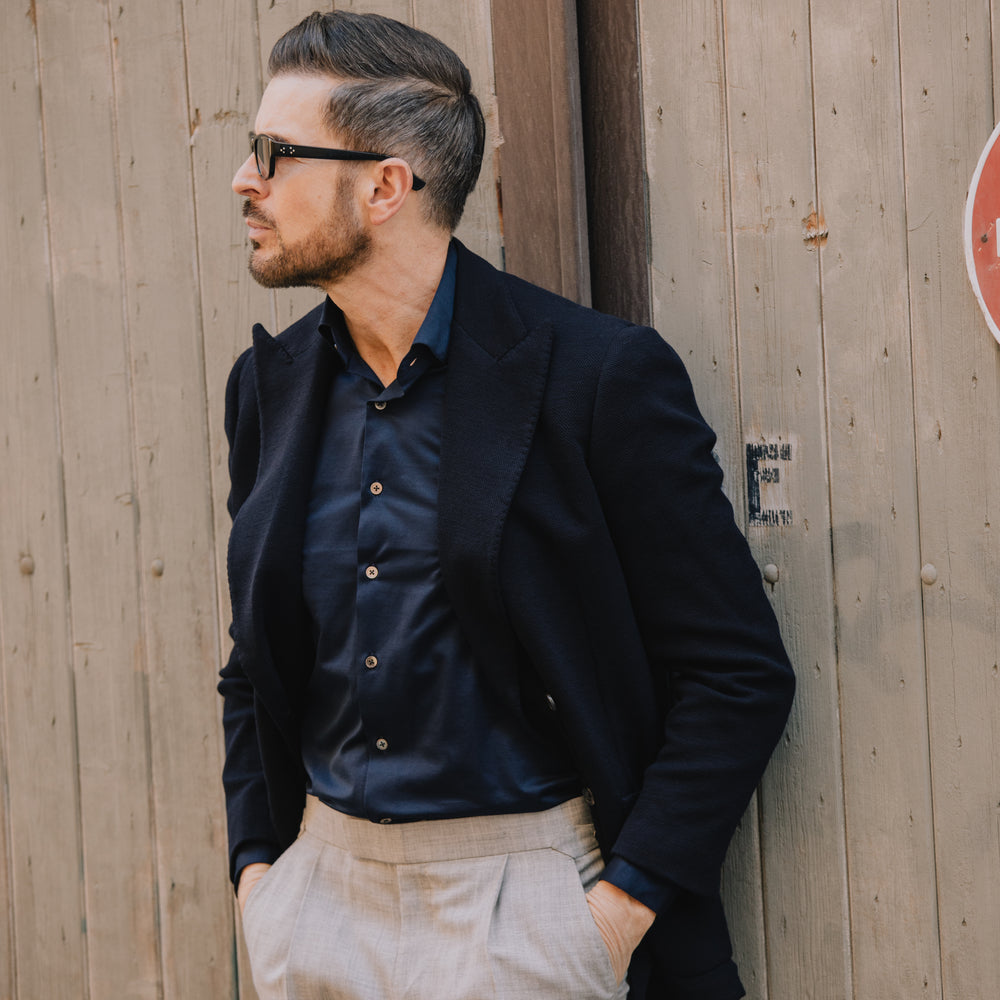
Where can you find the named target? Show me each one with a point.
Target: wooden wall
(807, 167)
(790, 217)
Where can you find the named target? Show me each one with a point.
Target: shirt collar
(434, 332)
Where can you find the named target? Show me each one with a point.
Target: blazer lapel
(293, 380)
(497, 370)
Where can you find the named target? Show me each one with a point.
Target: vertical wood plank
(947, 116)
(43, 946)
(768, 75)
(468, 30)
(111, 682)
(613, 143)
(873, 500)
(538, 94)
(689, 211)
(400, 10)
(172, 467)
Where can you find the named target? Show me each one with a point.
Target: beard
(332, 252)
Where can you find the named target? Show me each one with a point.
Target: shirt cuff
(254, 852)
(656, 893)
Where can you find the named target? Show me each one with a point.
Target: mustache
(254, 215)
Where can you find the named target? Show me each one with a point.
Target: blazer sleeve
(706, 624)
(251, 832)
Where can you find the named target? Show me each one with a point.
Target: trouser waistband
(567, 827)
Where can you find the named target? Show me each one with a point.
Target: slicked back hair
(403, 93)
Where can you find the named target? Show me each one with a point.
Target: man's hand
(249, 877)
(621, 919)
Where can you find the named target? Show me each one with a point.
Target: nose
(246, 180)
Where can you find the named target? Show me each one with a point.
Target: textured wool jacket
(593, 562)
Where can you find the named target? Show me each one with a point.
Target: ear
(390, 182)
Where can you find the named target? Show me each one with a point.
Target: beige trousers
(485, 908)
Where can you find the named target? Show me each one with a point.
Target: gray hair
(403, 93)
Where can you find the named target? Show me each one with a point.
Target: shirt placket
(374, 666)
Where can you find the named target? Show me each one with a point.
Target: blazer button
(551, 702)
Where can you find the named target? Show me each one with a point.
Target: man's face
(305, 223)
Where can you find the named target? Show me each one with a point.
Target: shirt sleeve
(656, 893)
(254, 852)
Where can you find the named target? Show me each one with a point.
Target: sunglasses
(266, 150)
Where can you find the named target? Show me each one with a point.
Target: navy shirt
(398, 723)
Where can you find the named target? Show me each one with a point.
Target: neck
(385, 300)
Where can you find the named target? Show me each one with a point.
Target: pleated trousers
(480, 908)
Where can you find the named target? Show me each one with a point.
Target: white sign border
(970, 257)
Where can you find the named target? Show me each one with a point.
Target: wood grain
(611, 111)
(782, 401)
(110, 672)
(176, 569)
(43, 943)
(945, 63)
(541, 155)
(876, 550)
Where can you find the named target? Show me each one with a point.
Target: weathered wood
(541, 156)
(176, 557)
(93, 375)
(401, 10)
(43, 938)
(873, 501)
(782, 399)
(612, 137)
(690, 254)
(123, 270)
(945, 63)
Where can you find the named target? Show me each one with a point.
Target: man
(503, 678)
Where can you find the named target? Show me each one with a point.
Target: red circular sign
(982, 233)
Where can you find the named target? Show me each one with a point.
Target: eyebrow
(277, 138)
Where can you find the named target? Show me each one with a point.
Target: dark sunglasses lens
(262, 154)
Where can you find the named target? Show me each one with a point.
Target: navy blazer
(593, 562)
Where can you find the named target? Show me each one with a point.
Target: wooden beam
(613, 144)
(541, 158)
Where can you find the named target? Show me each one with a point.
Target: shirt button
(551, 702)
(381, 404)
(382, 744)
(376, 488)
(371, 572)
(371, 662)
